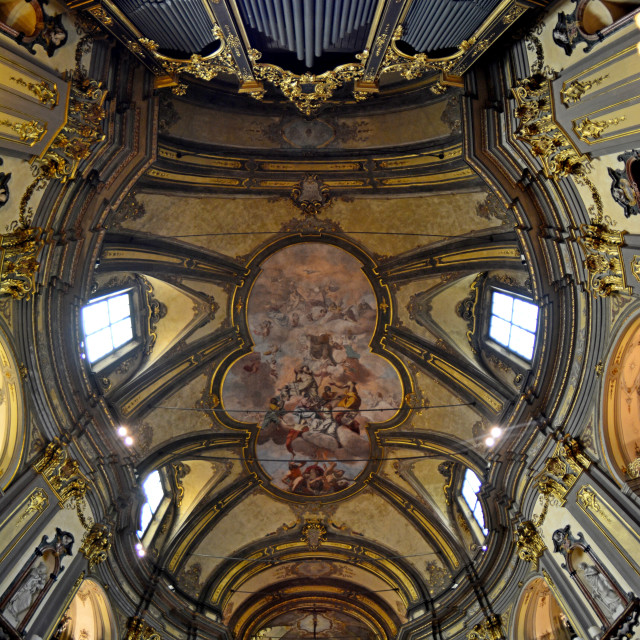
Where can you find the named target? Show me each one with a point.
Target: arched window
(471, 485)
(154, 492)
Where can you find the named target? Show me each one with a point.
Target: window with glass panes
(154, 494)
(107, 325)
(513, 323)
(470, 487)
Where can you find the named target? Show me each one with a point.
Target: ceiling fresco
(318, 391)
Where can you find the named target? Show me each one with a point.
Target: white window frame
(477, 504)
(107, 359)
(494, 343)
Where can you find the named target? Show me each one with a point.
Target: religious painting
(311, 383)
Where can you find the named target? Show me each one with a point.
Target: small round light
(490, 441)
(496, 432)
(138, 545)
(122, 431)
(638, 23)
(141, 553)
(484, 547)
(128, 441)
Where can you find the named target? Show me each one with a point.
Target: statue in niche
(21, 600)
(602, 591)
(25, 596)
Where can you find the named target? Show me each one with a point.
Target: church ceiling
(312, 398)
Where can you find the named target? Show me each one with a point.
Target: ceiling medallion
(322, 383)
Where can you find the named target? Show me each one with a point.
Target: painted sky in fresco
(311, 382)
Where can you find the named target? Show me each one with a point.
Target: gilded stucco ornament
(529, 543)
(96, 544)
(38, 501)
(138, 629)
(18, 261)
(311, 195)
(411, 67)
(489, 629)
(221, 61)
(589, 130)
(44, 91)
(540, 132)
(308, 91)
(588, 500)
(572, 92)
(603, 259)
(314, 534)
(30, 131)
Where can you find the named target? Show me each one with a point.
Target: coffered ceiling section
(307, 50)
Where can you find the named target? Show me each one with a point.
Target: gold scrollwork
(603, 259)
(588, 499)
(28, 131)
(537, 129)
(180, 471)
(589, 130)
(529, 543)
(412, 67)
(311, 195)
(513, 14)
(489, 629)
(314, 534)
(44, 91)
(138, 629)
(62, 474)
(18, 261)
(38, 502)
(572, 92)
(635, 267)
(307, 91)
(82, 130)
(102, 16)
(221, 61)
(96, 544)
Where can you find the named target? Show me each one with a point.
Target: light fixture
(122, 431)
(128, 441)
(490, 441)
(140, 550)
(496, 432)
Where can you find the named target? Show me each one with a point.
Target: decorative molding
(180, 471)
(138, 629)
(29, 131)
(18, 261)
(588, 499)
(38, 501)
(529, 543)
(309, 91)
(539, 131)
(62, 474)
(314, 534)
(603, 259)
(489, 629)
(572, 92)
(96, 544)
(45, 92)
(311, 195)
(589, 130)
